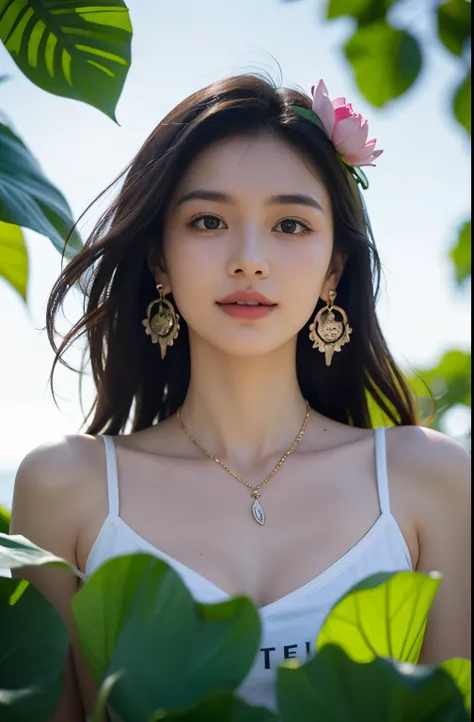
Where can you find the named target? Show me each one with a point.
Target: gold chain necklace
(257, 508)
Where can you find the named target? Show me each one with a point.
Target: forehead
(258, 165)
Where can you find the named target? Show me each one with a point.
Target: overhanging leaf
(13, 257)
(386, 61)
(136, 615)
(383, 616)
(354, 8)
(77, 49)
(461, 253)
(364, 11)
(28, 199)
(333, 688)
(454, 25)
(462, 103)
(33, 646)
(17, 551)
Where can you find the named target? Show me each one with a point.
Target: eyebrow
(277, 200)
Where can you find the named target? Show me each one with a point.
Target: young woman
(230, 315)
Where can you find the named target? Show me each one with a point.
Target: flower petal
(323, 108)
(366, 151)
(344, 129)
(361, 156)
(355, 142)
(344, 111)
(338, 103)
(373, 157)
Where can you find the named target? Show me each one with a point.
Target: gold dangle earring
(329, 334)
(163, 324)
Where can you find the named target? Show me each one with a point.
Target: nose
(248, 258)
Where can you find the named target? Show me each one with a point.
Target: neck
(243, 409)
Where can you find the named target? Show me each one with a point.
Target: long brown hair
(134, 386)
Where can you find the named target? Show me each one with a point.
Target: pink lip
(247, 297)
(249, 312)
(230, 306)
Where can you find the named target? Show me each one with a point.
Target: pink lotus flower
(347, 130)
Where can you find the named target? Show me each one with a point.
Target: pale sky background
(419, 193)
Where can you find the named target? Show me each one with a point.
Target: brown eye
(211, 223)
(289, 226)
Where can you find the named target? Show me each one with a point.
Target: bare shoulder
(435, 464)
(433, 472)
(436, 473)
(67, 452)
(57, 465)
(51, 480)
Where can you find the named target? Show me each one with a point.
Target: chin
(254, 344)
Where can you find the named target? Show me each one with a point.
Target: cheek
(303, 278)
(184, 253)
(308, 264)
(193, 271)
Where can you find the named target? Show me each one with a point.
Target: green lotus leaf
(333, 688)
(33, 647)
(460, 671)
(17, 551)
(135, 615)
(218, 707)
(383, 616)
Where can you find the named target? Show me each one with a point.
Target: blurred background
(404, 64)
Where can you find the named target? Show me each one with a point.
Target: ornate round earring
(329, 334)
(163, 324)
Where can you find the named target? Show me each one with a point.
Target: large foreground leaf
(13, 257)
(383, 616)
(74, 48)
(33, 648)
(28, 199)
(333, 688)
(17, 551)
(460, 672)
(136, 616)
(219, 707)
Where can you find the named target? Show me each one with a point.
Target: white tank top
(291, 624)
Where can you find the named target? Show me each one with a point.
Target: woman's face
(249, 215)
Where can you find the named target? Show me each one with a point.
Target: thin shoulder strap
(381, 469)
(112, 475)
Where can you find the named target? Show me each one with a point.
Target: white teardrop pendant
(257, 511)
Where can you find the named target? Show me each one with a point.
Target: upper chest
(317, 507)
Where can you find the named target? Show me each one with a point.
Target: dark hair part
(133, 384)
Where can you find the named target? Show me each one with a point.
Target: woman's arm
(45, 503)
(433, 472)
